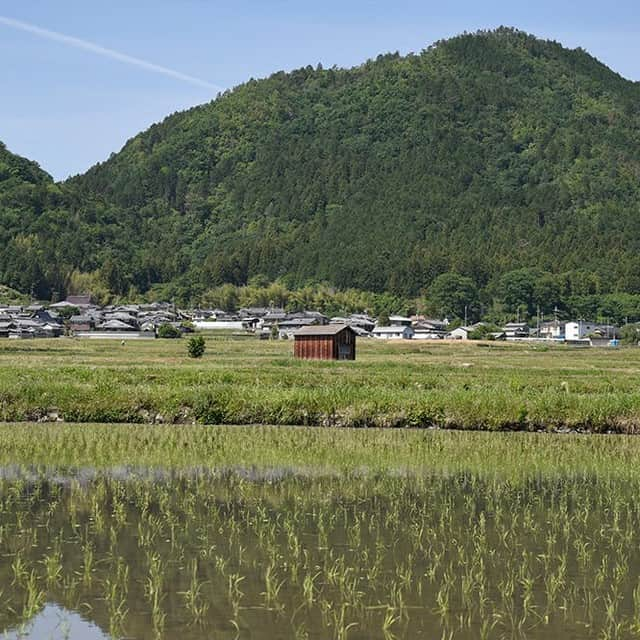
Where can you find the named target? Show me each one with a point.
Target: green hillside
(483, 154)
(35, 238)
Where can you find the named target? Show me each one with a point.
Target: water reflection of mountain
(54, 622)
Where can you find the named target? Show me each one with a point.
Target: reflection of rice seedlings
(272, 586)
(154, 592)
(309, 589)
(34, 597)
(635, 622)
(300, 632)
(390, 620)
(221, 565)
(116, 586)
(443, 596)
(70, 585)
(88, 560)
(340, 626)
(195, 602)
(234, 593)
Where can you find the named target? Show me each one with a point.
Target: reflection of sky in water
(55, 623)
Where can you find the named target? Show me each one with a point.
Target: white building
(580, 329)
(427, 334)
(552, 331)
(220, 325)
(393, 333)
(461, 333)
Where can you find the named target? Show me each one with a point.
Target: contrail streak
(102, 51)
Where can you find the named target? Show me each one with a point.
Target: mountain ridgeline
(482, 155)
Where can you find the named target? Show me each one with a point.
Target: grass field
(488, 386)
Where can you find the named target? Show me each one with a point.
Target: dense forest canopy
(510, 162)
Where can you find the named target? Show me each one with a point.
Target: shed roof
(326, 330)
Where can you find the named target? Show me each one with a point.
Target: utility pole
(465, 315)
(538, 327)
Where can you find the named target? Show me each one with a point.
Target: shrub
(187, 327)
(68, 312)
(483, 331)
(196, 347)
(168, 331)
(630, 333)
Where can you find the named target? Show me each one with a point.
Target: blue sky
(68, 107)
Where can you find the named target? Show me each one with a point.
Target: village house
(358, 322)
(581, 329)
(198, 315)
(362, 321)
(275, 316)
(6, 327)
(11, 310)
(51, 330)
(427, 333)
(460, 333)
(393, 333)
(47, 316)
(320, 318)
(116, 325)
(124, 317)
(81, 323)
(218, 325)
(516, 330)
(32, 309)
(253, 312)
(429, 329)
(552, 330)
(430, 323)
(80, 301)
(289, 326)
(400, 321)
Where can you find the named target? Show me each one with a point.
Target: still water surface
(88, 555)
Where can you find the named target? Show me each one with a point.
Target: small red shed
(330, 342)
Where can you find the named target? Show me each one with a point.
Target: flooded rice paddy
(124, 553)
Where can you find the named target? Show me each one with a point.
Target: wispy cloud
(103, 51)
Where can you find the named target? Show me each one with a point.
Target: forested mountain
(482, 155)
(35, 235)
